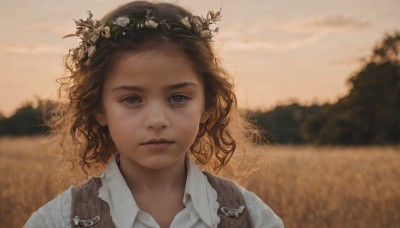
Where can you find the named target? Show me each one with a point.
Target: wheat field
(306, 186)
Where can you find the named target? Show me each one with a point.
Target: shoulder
(56, 213)
(219, 182)
(260, 213)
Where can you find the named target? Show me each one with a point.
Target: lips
(158, 144)
(158, 141)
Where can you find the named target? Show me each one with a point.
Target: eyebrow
(138, 88)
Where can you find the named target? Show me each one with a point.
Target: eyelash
(128, 100)
(185, 98)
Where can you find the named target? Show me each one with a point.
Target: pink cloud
(327, 23)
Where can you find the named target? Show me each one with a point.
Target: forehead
(159, 65)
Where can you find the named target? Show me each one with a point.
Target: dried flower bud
(87, 63)
(151, 24)
(91, 51)
(197, 22)
(164, 24)
(106, 32)
(94, 38)
(81, 53)
(205, 33)
(185, 22)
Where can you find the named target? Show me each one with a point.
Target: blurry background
(321, 77)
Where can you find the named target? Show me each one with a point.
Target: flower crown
(91, 31)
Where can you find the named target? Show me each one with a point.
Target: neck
(143, 179)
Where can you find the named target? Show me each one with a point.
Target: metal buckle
(85, 222)
(230, 212)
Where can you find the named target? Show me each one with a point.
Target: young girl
(146, 96)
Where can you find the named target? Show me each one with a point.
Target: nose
(156, 117)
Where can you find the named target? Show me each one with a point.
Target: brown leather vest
(89, 210)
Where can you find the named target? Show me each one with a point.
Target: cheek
(188, 122)
(122, 123)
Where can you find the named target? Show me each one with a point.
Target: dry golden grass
(331, 186)
(24, 179)
(305, 186)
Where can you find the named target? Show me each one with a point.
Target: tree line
(368, 114)
(26, 120)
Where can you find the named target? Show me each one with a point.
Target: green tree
(283, 123)
(370, 113)
(26, 120)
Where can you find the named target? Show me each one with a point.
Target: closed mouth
(158, 141)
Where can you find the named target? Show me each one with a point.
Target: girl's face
(153, 103)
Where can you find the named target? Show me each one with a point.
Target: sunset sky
(275, 49)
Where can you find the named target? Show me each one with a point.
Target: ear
(100, 118)
(204, 116)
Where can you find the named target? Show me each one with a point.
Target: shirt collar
(123, 207)
(116, 193)
(200, 192)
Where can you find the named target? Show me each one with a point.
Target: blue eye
(132, 100)
(178, 99)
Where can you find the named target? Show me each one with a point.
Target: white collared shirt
(200, 201)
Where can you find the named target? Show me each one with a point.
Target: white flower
(205, 33)
(106, 32)
(151, 24)
(185, 22)
(91, 51)
(122, 21)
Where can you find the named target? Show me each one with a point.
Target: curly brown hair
(81, 92)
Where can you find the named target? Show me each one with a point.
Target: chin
(160, 163)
